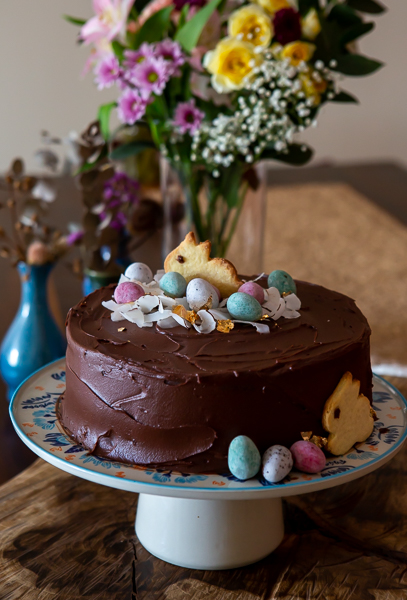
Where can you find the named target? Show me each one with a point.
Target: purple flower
(187, 117)
(134, 57)
(120, 189)
(74, 237)
(287, 26)
(171, 52)
(131, 106)
(151, 75)
(120, 192)
(179, 4)
(107, 72)
(118, 221)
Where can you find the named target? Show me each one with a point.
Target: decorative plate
(32, 411)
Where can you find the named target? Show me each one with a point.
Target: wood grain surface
(65, 538)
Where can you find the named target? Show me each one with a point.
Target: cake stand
(203, 521)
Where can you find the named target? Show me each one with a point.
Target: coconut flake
(181, 321)
(157, 316)
(220, 314)
(159, 275)
(261, 327)
(292, 302)
(167, 323)
(280, 310)
(135, 316)
(208, 323)
(147, 303)
(291, 314)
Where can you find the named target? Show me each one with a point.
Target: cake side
(177, 397)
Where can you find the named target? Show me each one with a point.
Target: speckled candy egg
(277, 463)
(200, 292)
(253, 289)
(243, 458)
(128, 291)
(244, 307)
(308, 457)
(173, 284)
(140, 272)
(282, 281)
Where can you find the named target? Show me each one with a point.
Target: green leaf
(189, 34)
(344, 15)
(367, 6)
(297, 155)
(183, 16)
(356, 64)
(104, 118)
(130, 149)
(88, 166)
(74, 20)
(155, 27)
(345, 97)
(356, 32)
(118, 49)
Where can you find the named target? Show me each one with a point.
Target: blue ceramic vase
(33, 339)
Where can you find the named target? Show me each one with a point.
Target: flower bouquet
(222, 85)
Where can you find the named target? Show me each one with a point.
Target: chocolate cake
(177, 397)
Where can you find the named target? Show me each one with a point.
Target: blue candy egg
(244, 307)
(173, 284)
(282, 281)
(244, 459)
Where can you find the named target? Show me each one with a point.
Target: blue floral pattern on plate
(35, 417)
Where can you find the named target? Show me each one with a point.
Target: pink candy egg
(308, 457)
(253, 289)
(128, 292)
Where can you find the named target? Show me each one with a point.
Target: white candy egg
(200, 292)
(277, 463)
(139, 272)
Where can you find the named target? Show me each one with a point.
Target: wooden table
(342, 543)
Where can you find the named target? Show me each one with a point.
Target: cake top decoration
(207, 295)
(193, 260)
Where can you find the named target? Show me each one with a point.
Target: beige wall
(41, 86)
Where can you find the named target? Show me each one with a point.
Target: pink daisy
(171, 52)
(134, 57)
(187, 117)
(107, 72)
(131, 106)
(151, 75)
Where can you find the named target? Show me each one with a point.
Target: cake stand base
(209, 534)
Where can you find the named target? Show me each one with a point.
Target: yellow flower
(313, 85)
(310, 25)
(251, 24)
(231, 62)
(297, 52)
(272, 6)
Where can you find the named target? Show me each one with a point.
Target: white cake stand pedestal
(209, 534)
(200, 521)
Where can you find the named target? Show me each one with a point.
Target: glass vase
(33, 339)
(228, 211)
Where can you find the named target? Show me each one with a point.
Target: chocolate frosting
(176, 397)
